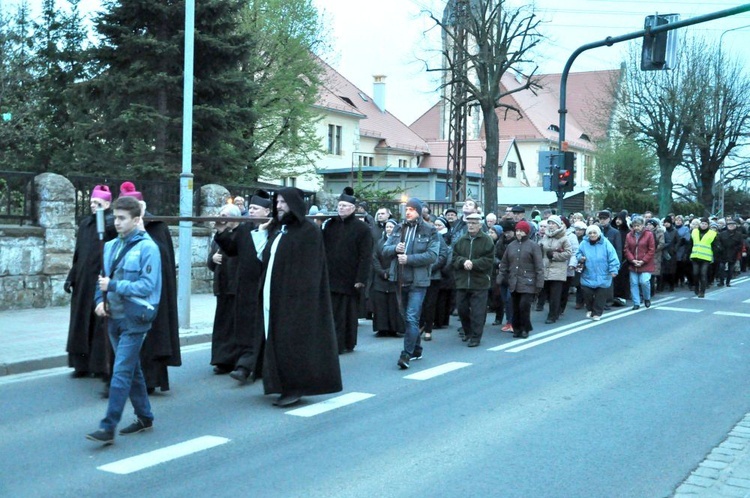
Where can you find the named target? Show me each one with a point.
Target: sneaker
(102, 436)
(588, 314)
(417, 355)
(596, 318)
(140, 425)
(508, 327)
(403, 361)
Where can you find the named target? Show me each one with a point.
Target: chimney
(378, 91)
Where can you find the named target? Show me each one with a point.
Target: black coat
(224, 348)
(348, 247)
(161, 348)
(86, 340)
(300, 355)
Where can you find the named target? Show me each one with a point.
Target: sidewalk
(35, 339)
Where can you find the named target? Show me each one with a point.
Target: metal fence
(16, 197)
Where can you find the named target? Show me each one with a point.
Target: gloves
(550, 253)
(68, 286)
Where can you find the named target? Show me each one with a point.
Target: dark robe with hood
(87, 340)
(300, 355)
(224, 350)
(161, 348)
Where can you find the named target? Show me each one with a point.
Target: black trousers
(700, 275)
(594, 299)
(345, 311)
(522, 311)
(429, 306)
(472, 311)
(553, 289)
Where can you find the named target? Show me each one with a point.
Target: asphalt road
(624, 407)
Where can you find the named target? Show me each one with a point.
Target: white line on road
(730, 313)
(607, 318)
(746, 301)
(435, 371)
(329, 404)
(686, 310)
(38, 374)
(140, 462)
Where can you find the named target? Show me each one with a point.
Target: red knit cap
(523, 226)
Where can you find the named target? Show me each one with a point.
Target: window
(334, 139)
(365, 161)
(588, 167)
(402, 163)
(290, 181)
(511, 169)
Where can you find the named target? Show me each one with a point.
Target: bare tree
(723, 123)
(661, 109)
(499, 38)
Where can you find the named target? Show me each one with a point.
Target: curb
(58, 361)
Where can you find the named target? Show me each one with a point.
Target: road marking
(730, 313)
(329, 404)
(746, 301)
(607, 318)
(576, 326)
(438, 370)
(201, 346)
(146, 460)
(686, 310)
(37, 374)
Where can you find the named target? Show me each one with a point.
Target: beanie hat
(594, 229)
(127, 189)
(391, 221)
(101, 192)
(704, 220)
(523, 226)
(444, 221)
(348, 196)
(566, 221)
(579, 225)
(508, 225)
(261, 198)
(555, 219)
(667, 219)
(731, 221)
(415, 203)
(450, 210)
(713, 224)
(653, 222)
(498, 230)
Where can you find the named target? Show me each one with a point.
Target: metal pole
(609, 41)
(186, 178)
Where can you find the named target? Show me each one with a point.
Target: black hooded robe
(87, 340)
(161, 348)
(300, 355)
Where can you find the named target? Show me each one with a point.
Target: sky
(394, 37)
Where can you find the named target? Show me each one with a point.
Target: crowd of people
(408, 276)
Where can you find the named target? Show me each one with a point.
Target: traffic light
(659, 50)
(565, 177)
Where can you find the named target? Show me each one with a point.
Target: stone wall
(35, 260)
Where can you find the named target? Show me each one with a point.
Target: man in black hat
(730, 244)
(238, 242)
(519, 214)
(348, 243)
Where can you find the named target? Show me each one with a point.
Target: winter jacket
(556, 253)
(641, 248)
(480, 250)
(422, 251)
(600, 264)
(522, 267)
(731, 244)
(669, 254)
(659, 245)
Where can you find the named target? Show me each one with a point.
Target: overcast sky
(391, 37)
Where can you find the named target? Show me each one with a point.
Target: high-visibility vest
(702, 247)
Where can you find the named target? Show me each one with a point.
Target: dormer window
(585, 137)
(554, 127)
(363, 96)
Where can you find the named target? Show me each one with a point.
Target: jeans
(640, 282)
(411, 302)
(127, 376)
(472, 311)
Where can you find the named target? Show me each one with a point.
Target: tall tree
(625, 176)
(723, 123)
(284, 75)
(499, 38)
(660, 109)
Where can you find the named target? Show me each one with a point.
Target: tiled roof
(589, 102)
(376, 123)
(475, 154)
(328, 100)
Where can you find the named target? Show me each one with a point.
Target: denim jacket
(421, 253)
(137, 277)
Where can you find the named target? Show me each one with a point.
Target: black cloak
(224, 351)
(301, 354)
(87, 343)
(161, 347)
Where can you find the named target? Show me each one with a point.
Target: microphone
(100, 223)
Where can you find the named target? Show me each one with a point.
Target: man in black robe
(87, 340)
(239, 243)
(348, 244)
(161, 348)
(297, 349)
